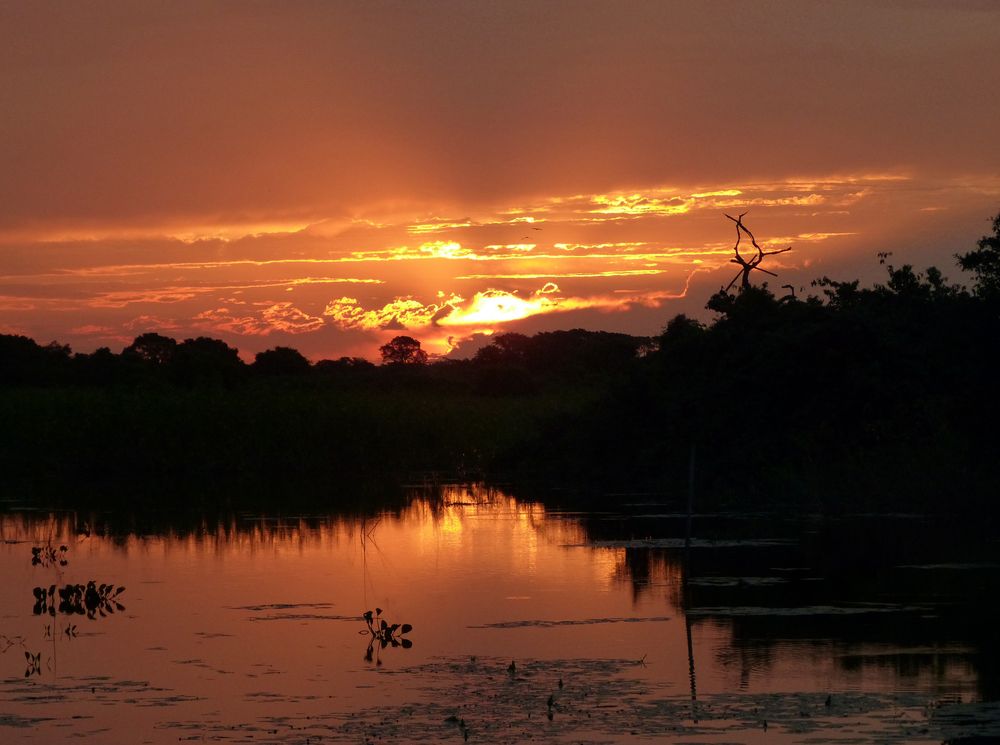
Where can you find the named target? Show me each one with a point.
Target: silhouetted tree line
(166, 415)
(152, 356)
(850, 397)
(511, 363)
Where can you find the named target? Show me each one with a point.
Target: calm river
(528, 624)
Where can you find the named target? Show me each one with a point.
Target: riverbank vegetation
(847, 398)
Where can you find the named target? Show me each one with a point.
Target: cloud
(401, 313)
(135, 114)
(483, 270)
(144, 323)
(279, 317)
(17, 303)
(566, 275)
(92, 329)
(486, 310)
(122, 298)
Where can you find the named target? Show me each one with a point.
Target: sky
(328, 175)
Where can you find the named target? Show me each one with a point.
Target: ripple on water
(545, 624)
(603, 701)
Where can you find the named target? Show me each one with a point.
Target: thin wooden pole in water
(690, 507)
(687, 574)
(691, 672)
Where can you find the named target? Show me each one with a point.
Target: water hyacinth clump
(48, 555)
(92, 599)
(382, 634)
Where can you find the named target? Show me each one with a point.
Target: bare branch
(748, 264)
(739, 236)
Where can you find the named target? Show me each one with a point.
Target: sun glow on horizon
(440, 278)
(495, 307)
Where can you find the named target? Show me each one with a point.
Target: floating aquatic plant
(382, 634)
(91, 600)
(49, 556)
(34, 664)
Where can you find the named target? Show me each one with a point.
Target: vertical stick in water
(687, 574)
(690, 509)
(691, 671)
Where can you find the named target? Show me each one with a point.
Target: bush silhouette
(152, 348)
(281, 361)
(403, 350)
(205, 361)
(984, 263)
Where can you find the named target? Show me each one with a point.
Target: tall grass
(270, 434)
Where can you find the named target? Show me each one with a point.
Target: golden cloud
(131, 269)
(639, 204)
(655, 234)
(277, 317)
(403, 312)
(485, 310)
(566, 275)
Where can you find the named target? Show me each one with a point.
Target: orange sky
(327, 175)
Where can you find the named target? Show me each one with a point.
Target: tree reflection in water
(912, 599)
(900, 592)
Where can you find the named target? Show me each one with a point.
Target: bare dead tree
(748, 264)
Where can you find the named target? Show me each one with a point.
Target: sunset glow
(429, 194)
(388, 371)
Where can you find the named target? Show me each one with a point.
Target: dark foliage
(152, 349)
(403, 350)
(862, 398)
(984, 263)
(879, 397)
(205, 362)
(23, 362)
(281, 361)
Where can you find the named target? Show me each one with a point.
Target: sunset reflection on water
(231, 622)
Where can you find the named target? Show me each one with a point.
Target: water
(251, 630)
